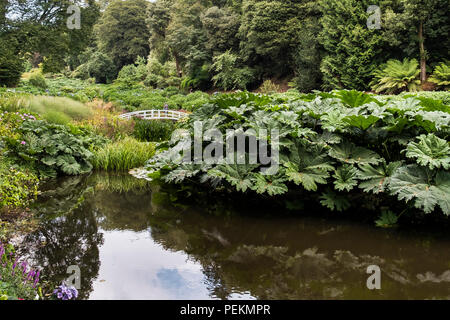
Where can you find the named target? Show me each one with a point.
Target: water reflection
(132, 243)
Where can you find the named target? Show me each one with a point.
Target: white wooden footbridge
(155, 115)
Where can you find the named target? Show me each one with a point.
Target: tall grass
(123, 155)
(13, 102)
(59, 110)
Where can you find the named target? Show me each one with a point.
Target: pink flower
(23, 142)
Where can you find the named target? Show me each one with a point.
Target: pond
(130, 242)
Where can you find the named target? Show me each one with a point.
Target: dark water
(130, 242)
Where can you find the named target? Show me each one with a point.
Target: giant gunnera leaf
(270, 184)
(345, 178)
(428, 189)
(430, 151)
(377, 178)
(307, 166)
(349, 153)
(238, 175)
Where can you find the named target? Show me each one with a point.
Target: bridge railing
(155, 114)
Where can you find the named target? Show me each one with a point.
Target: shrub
(122, 155)
(441, 76)
(153, 130)
(99, 66)
(268, 87)
(358, 154)
(128, 74)
(396, 76)
(37, 79)
(133, 73)
(109, 126)
(160, 75)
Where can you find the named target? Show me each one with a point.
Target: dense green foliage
(342, 149)
(52, 149)
(11, 66)
(197, 44)
(122, 32)
(441, 76)
(153, 130)
(17, 186)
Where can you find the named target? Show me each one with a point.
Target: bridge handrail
(154, 114)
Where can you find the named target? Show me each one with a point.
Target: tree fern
(441, 76)
(396, 76)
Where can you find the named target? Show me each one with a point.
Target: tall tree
(186, 37)
(158, 19)
(122, 32)
(268, 34)
(221, 26)
(352, 50)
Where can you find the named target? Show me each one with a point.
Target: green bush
(268, 87)
(122, 155)
(153, 130)
(37, 79)
(133, 73)
(99, 66)
(160, 75)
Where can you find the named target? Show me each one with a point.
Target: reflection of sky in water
(133, 266)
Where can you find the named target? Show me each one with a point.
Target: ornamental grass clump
(123, 155)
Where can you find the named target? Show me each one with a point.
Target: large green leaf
(307, 166)
(361, 121)
(270, 184)
(345, 176)
(352, 154)
(354, 98)
(377, 178)
(414, 182)
(182, 172)
(238, 175)
(430, 151)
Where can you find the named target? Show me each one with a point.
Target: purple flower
(23, 143)
(65, 293)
